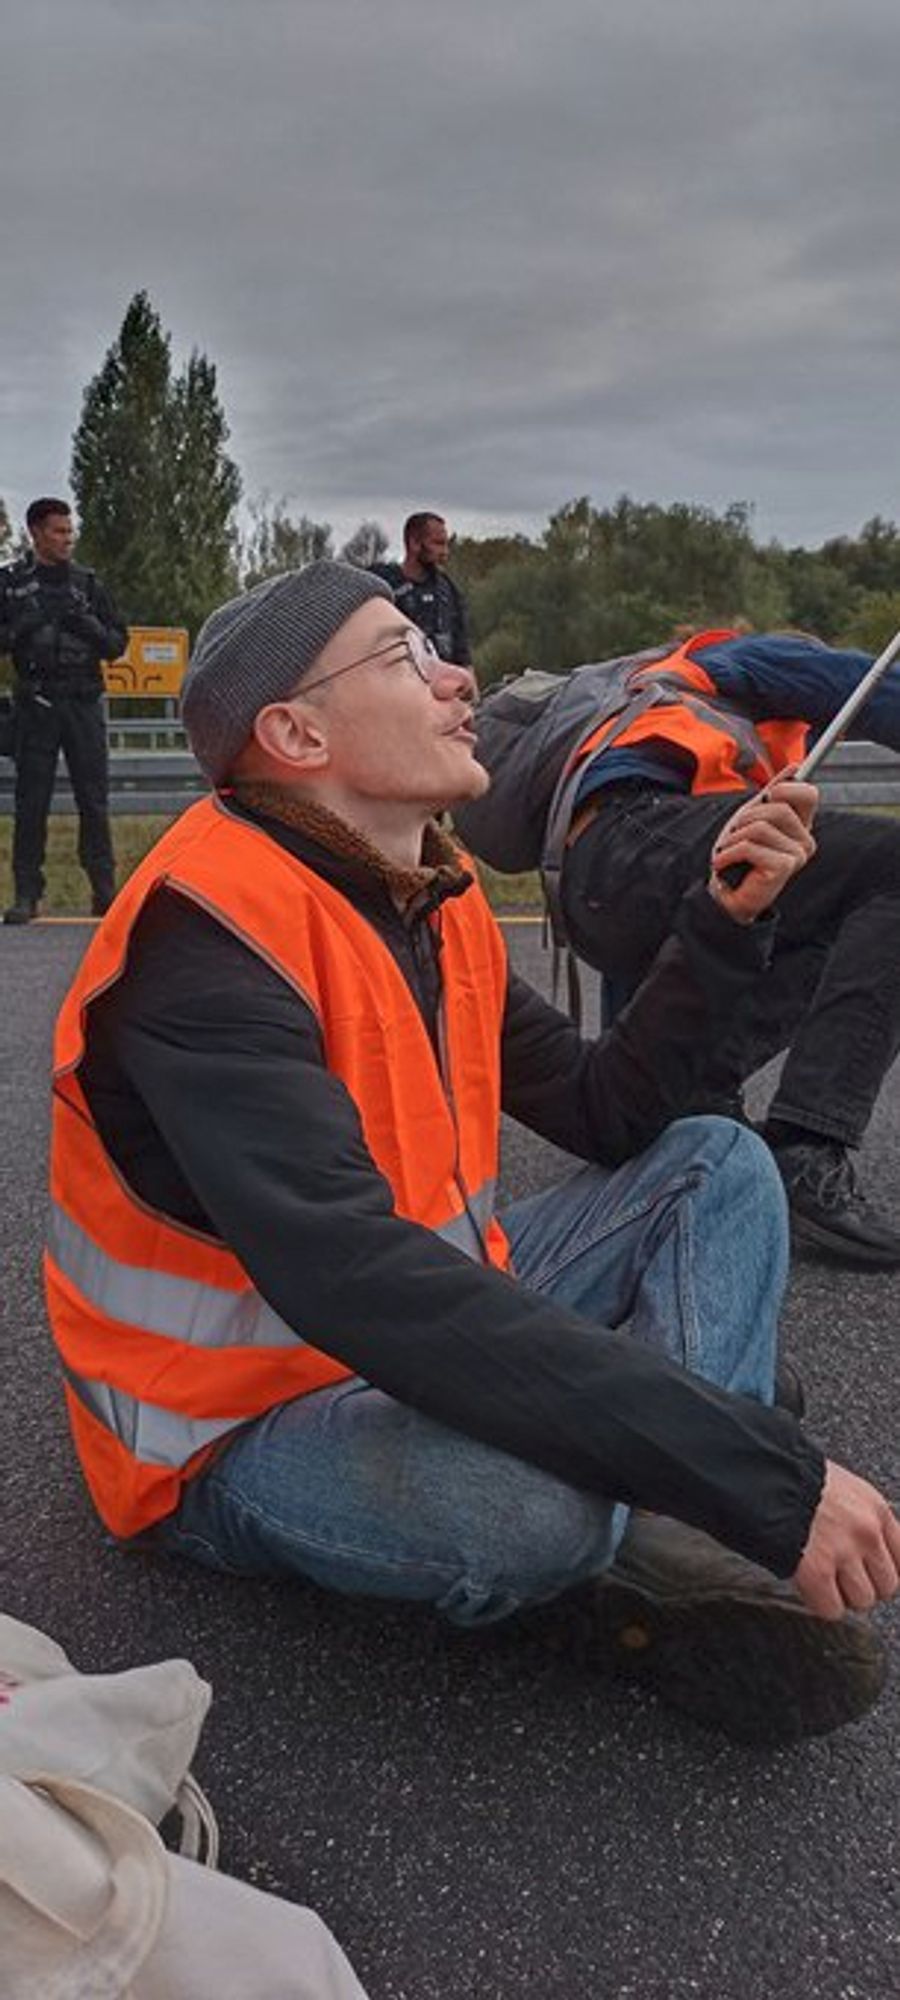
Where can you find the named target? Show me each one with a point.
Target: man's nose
(449, 680)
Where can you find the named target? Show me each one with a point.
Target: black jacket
(436, 604)
(58, 624)
(206, 1075)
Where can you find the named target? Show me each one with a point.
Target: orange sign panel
(154, 662)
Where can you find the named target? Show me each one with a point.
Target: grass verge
(67, 892)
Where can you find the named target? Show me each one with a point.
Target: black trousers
(832, 994)
(77, 727)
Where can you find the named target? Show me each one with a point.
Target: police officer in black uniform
(424, 592)
(58, 624)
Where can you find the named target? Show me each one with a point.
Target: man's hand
(852, 1558)
(770, 832)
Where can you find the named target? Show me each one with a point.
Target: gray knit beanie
(257, 647)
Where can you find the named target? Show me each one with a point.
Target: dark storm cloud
(496, 255)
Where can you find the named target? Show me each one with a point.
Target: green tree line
(158, 497)
(601, 581)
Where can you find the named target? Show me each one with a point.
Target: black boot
(22, 911)
(789, 1391)
(721, 1639)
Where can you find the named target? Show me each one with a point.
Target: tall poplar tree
(155, 489)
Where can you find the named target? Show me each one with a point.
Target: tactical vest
(49, 659)
(165, 1343)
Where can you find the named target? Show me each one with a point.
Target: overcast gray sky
(483, 256)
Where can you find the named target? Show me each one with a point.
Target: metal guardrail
(162, 776)
(145, 732)
(860, 774)
(143, 781)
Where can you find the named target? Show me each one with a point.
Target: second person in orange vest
(299, 1339)
(648, 813)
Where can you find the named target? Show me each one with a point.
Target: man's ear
(292, 734)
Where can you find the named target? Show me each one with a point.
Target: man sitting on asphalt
(694, 728)
(292, 1341)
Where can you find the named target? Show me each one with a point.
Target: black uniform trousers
(832, 993)
(77, 726)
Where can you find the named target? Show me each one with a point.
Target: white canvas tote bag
(92, 1906)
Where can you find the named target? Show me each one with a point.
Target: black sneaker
(20, 912)
(725, 1642)
(101, 901)
(828, 1207)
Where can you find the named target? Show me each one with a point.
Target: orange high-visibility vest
(730, 753)
(166, 1345)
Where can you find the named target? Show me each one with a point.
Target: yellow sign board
(154, 662)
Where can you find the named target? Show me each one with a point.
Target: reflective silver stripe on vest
(204, 1315)
(749, 747)
(207, 1315)
(149, 1433)
(716, 710)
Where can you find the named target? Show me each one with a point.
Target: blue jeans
(347, 1487)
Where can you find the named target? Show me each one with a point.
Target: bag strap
(559, 817)
(199, 1826)
(45, 1862)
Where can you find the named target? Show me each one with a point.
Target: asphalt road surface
(475, 1817)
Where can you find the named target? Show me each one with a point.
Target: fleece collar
(440, 873)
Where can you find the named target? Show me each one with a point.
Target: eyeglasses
(423, 657)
